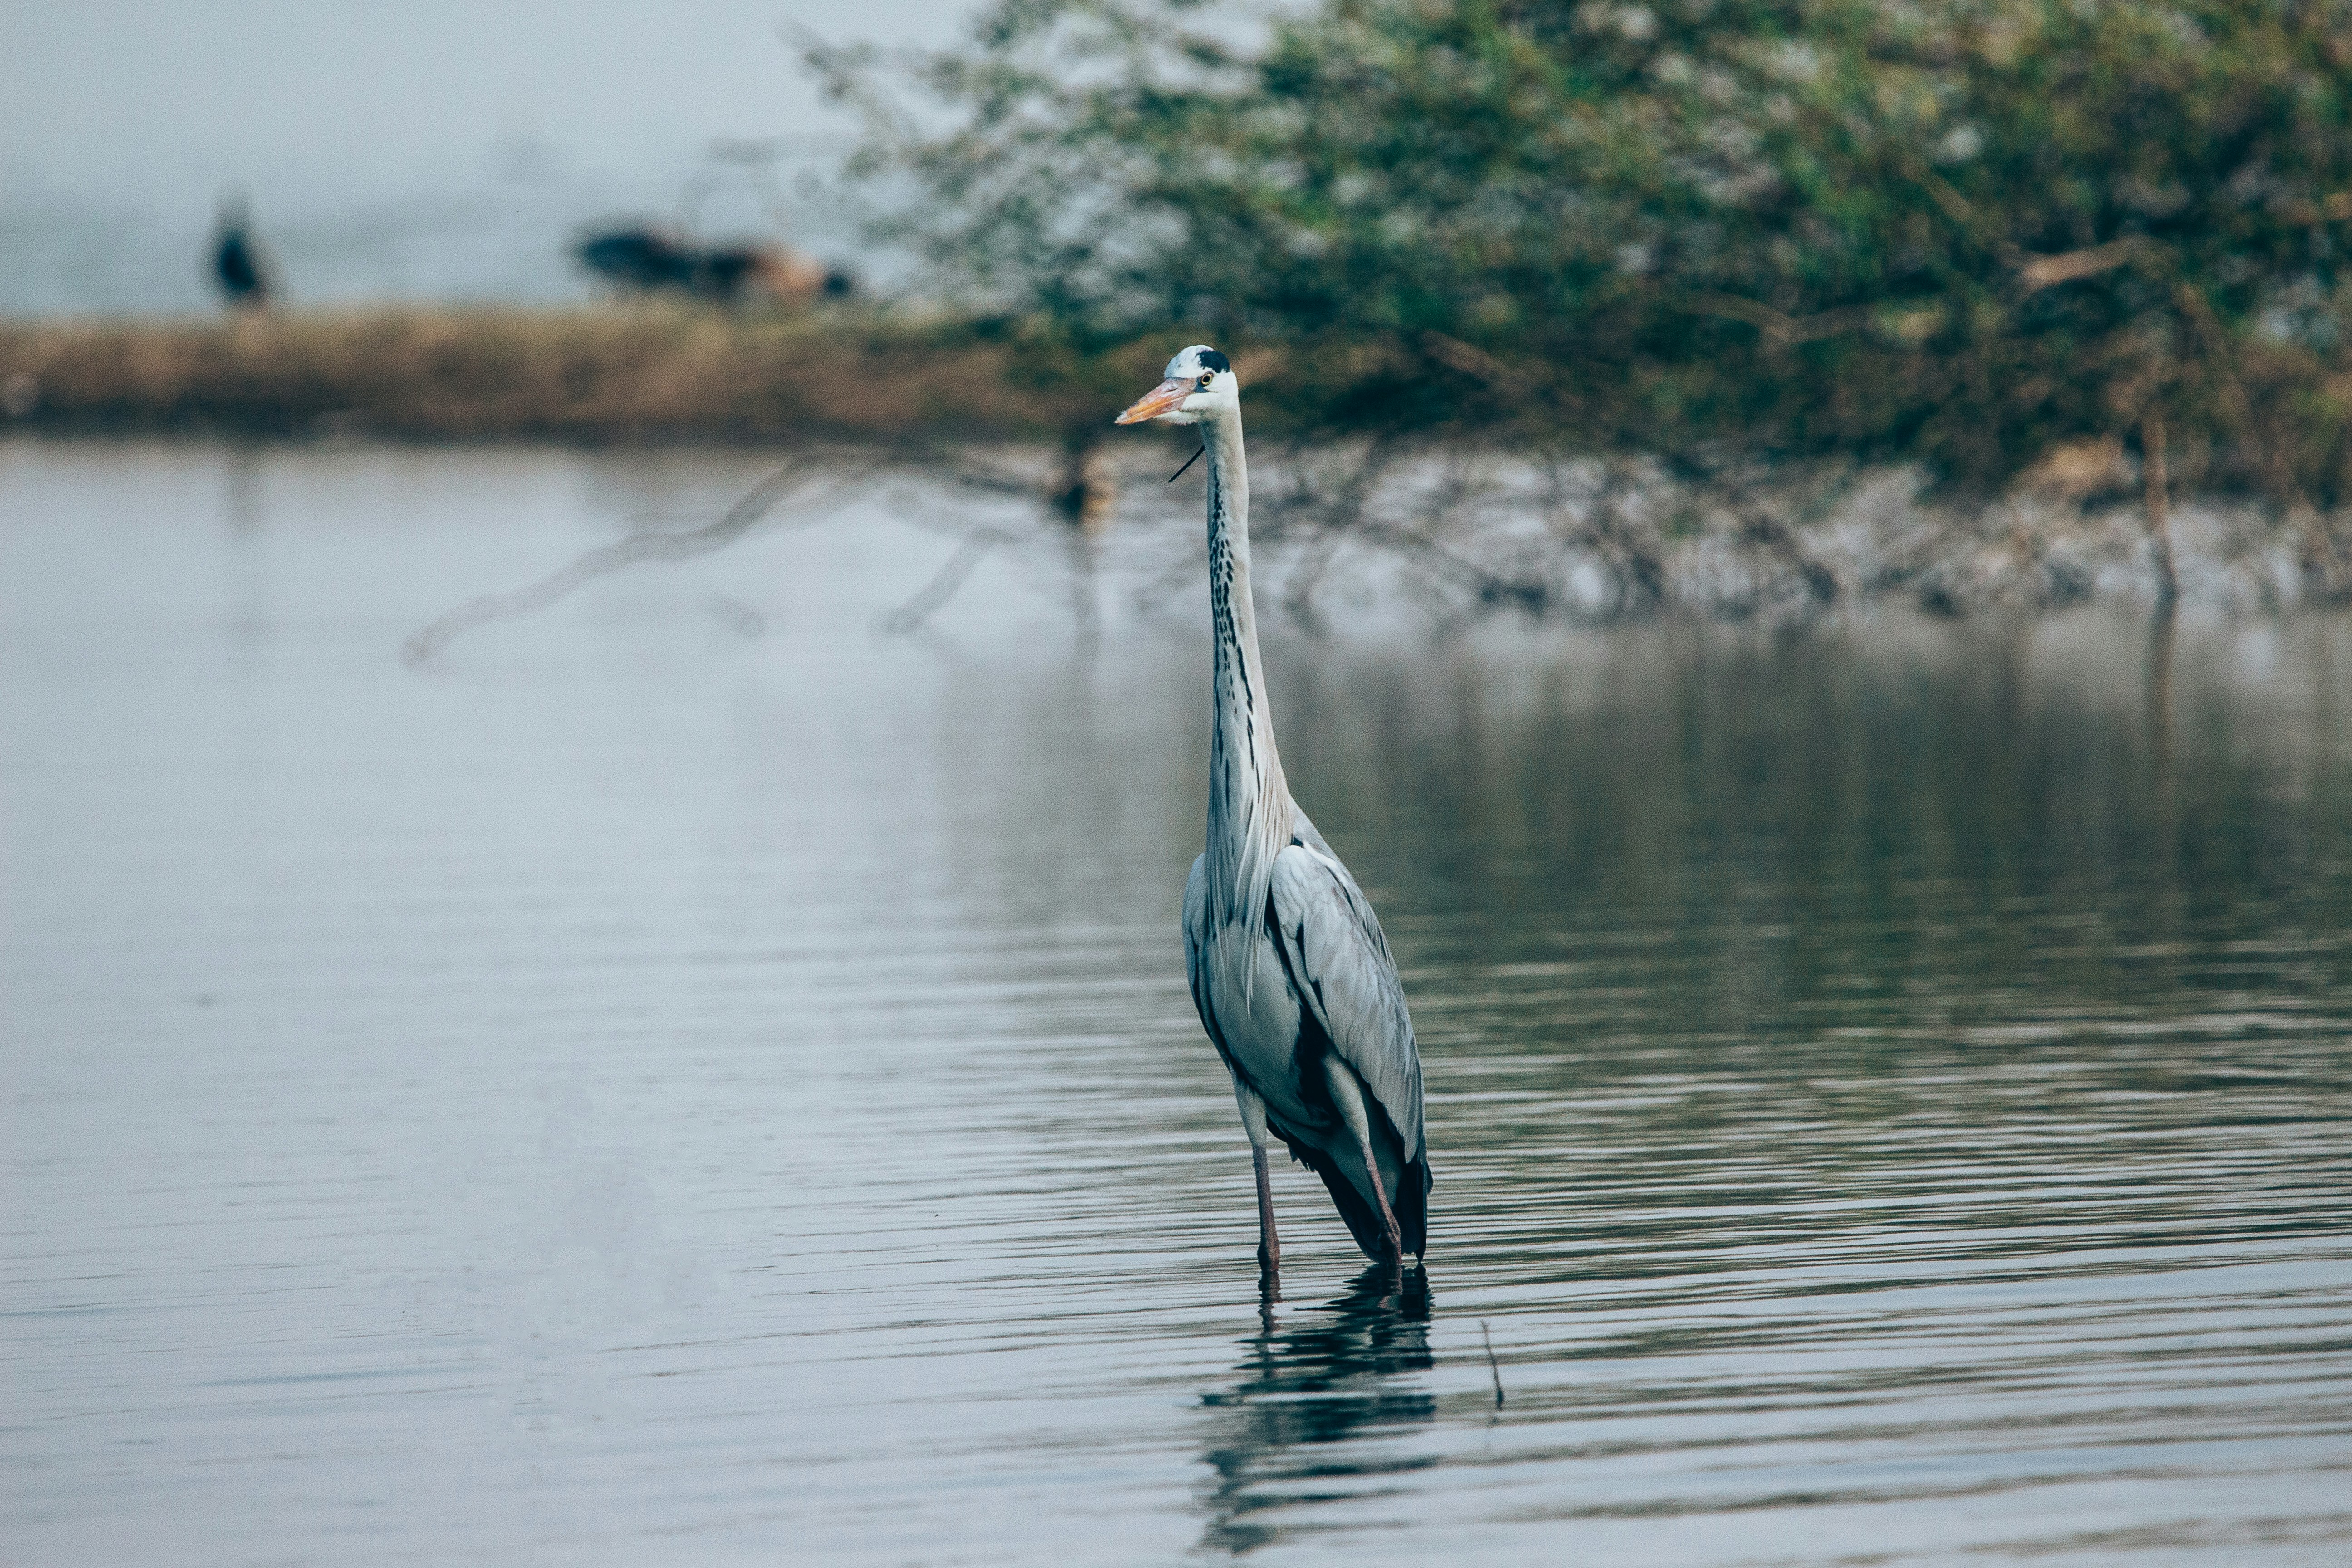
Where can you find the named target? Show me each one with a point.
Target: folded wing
(1341, 963)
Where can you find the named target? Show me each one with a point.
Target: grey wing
(1332, 943)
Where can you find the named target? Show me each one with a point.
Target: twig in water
(1492, 1367)
(737, 520)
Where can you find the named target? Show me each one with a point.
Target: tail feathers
(1411, 1206)
(1363, 1223)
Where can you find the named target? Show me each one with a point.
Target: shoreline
(1597, 539)
(651, 374)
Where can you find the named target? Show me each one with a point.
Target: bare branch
(2337, 208)
(2039, 272)
(1780, 327)
(738, 521)
(934, 594)
(1474, 363)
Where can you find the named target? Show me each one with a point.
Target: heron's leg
(1350, 1102)
(1269, 1245)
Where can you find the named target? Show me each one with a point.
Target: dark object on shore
(243, 271)
(643, 259)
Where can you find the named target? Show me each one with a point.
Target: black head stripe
(1211, 360)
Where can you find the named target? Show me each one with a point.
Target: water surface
(689, 1077)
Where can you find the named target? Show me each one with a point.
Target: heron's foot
(1394, 1258)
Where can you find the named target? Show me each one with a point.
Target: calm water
(688, 1078)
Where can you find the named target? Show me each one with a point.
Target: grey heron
(1289, 970)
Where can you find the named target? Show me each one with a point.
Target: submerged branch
(1478, 531)
(737, 520)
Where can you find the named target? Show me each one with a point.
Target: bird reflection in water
(1313, 1379)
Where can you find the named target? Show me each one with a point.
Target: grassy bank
(651, 374)
(609, 375)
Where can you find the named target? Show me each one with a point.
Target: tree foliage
(1959, 232)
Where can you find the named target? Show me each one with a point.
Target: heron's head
(1199, 386)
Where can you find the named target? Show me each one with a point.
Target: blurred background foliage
(1958, 234)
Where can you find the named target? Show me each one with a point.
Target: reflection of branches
(1345, 513)
(1437, 560)
(1313, 504)
(738, 521)
(1467, 533)
(1770, 520)
(954, 466)
(935, 461)
(935, 594)
(960, 470)
(1332, 520)
(1318, 505)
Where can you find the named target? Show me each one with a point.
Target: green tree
(1958, 233)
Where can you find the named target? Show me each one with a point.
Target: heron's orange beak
(1159, 400)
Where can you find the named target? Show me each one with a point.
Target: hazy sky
(130, 102)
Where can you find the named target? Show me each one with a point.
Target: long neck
(1249, 801)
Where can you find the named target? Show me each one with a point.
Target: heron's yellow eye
(1206, 377)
